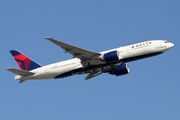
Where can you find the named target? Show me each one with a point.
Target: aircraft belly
(53, 72)
(133, 58)
(81, 70)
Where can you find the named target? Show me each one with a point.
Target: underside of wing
(83, 54)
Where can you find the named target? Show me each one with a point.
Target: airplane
(84, 61)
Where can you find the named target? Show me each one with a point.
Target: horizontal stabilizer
(20, 72)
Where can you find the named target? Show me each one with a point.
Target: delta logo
(141, 44)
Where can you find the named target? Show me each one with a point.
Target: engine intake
(120, 70)
(110, 57)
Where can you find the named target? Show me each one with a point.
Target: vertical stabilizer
(24, 62)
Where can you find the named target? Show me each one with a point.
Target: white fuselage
(73, 66)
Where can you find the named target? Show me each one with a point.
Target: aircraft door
(46, 72)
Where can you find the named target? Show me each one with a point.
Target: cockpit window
(166, 42)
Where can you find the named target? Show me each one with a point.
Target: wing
(82, 54)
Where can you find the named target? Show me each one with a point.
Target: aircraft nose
(171, 45)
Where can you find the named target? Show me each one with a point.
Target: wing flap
(93, 74)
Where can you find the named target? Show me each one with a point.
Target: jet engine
(110, 56)
(120, 70)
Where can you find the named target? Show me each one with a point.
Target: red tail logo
(23, 61)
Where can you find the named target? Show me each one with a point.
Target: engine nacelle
(120, 70)
(111, 56)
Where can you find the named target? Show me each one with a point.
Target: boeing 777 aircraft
(112, 61)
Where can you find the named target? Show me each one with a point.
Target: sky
(151, 91)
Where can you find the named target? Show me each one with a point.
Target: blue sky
(150, 91)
